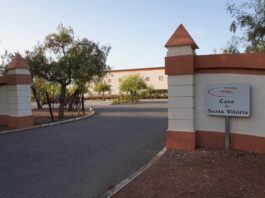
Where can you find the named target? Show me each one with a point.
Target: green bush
(41, 87)
(101, 87)
(121, 99)
(132, 85)
(154, 94)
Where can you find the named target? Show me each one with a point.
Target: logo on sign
(222, 92)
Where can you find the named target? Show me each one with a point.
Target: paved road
(84, 158)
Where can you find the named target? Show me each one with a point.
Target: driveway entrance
(83, 158)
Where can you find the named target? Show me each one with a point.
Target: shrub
(101, 88)
(132, 85)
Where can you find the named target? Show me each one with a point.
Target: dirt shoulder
(42, 116)
(201, 173)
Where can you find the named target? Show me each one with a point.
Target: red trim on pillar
(181, 37)
(179, 65)
(18, 63)
(18, 79)
(180, 140)
(20, 122)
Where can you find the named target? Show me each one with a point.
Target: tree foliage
(232, 46)
(5, 59)
(132, 84)
(42, 86)
(101, 87)
(75, 93)
(250, 17)
(62, 59)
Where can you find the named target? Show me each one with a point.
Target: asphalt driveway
(83, 158)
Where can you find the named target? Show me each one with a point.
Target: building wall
(153, 76)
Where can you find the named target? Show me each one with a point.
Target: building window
(161, 78)
(109, 80)
(147, 79)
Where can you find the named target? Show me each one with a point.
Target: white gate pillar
(19, 93)
(179, 65)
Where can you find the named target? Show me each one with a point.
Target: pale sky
(135, 29)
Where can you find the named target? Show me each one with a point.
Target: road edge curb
(129, 179)
(48, 124)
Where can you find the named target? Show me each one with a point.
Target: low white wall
(255, 125)
(3, 100)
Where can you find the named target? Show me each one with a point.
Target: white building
(154, 77)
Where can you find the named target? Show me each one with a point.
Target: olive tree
(250, 18)
(62, 59)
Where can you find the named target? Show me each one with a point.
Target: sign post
(227, 133)
(228, 100)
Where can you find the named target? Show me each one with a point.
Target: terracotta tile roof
(181, 37)
(18, 63)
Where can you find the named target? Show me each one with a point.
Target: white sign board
(228, 100)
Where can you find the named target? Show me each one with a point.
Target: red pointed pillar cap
(18, 63)
(181, 37)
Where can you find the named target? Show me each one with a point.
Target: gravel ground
(201, 173)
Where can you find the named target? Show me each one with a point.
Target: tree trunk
(71, 103)
(49, 104)
(62, 101)
(83, 104)
(72, 99)
(39, 106)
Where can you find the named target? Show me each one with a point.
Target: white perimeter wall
(255, 125)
